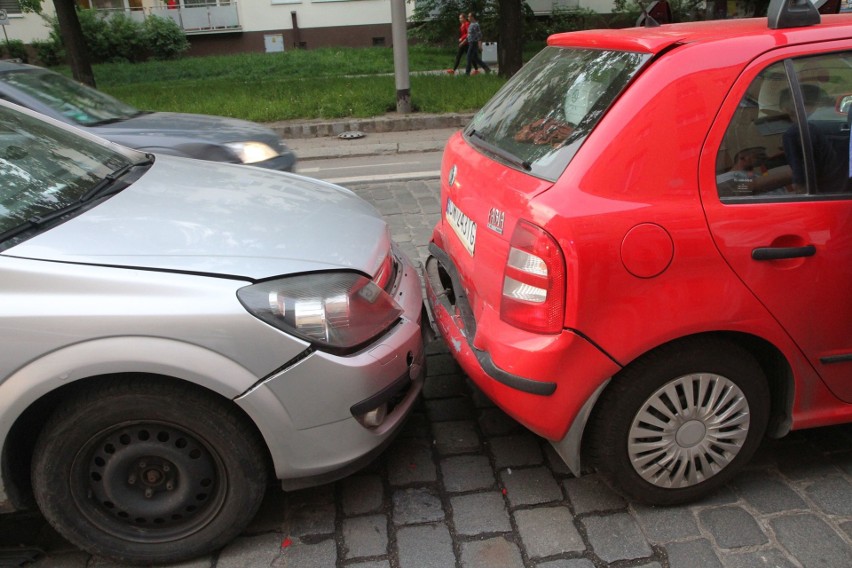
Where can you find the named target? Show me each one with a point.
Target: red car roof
(654, 40)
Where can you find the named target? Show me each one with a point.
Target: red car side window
(790, 134)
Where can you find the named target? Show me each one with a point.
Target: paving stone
(616, 537)
(417, 426)
(832, 494)
(495, 422)
(799, 462)
(692, 554)
(772, 558)
(530, 486)
(589, 493)
(97, 562)
(296, 513)
(425, 546)
(812, 541)
(418, 505)
(732, 527)
(722, 496)
(480, 399)
(767, 492)
(81, 560)
(548, 531)
(362, 494)
(516, 451)
(411, 463)
(260, 550)
(311, 520)
(831, 440)
(443, 386)
(567, 563)
(467, 473)
(491, 553)
(448, 409)
(843, 461)
(456, 437)
(370, 564)
(443, 363)
(365, 536)
(556, 463)
(666, 524)
(480, 513)
(300, 555)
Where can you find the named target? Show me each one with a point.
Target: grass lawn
(296, 84)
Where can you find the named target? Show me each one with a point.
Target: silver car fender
(183, 361)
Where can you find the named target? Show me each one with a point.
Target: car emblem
(451, 177)
(495, 220)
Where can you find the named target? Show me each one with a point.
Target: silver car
(204, 137)
(174, 333)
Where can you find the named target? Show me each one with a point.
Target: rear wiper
(508, 156)
(106, 184)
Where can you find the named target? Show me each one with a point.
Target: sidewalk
(389, 134)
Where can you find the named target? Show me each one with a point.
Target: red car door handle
(780, 253)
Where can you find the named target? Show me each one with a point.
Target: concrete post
(400, 56)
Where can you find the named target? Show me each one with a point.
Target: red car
(645, 252)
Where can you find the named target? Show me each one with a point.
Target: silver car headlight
(339, 312)
(251, 152)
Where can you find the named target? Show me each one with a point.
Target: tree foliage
(437, 21)
(72, 37)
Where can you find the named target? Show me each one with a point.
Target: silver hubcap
(688, 431)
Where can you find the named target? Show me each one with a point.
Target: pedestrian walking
(474, 39)
(463, 25)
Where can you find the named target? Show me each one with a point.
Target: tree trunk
(510, 37)
(72, 39)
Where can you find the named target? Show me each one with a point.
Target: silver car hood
(145, 129)
(192, 216)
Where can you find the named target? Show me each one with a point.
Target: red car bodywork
(651, 253)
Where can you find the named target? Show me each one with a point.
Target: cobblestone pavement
(464, 485)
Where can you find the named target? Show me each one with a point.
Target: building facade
(229, 26)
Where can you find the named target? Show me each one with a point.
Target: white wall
(29, 27)
(258, 15)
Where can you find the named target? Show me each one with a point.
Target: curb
(392, 122)
(342, 150)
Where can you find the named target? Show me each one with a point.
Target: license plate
(462, 225)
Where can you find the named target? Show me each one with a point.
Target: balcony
(213, 17)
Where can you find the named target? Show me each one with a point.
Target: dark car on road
(199, 136)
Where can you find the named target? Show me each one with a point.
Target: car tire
(681, 421)
(148, 471)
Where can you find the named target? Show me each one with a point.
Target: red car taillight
(534, 281)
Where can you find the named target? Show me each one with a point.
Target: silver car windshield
(45, 169)
(76, 102)
(539, 119)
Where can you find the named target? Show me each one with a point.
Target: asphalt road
(374, 168)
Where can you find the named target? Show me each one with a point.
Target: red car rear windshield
(539, 119)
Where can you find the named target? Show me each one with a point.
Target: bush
(125, 39)
(95, 33)
(118, 38)
(164, 38)
(15, 49)
(49, 52)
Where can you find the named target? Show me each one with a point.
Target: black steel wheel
(681, 421)
(148, 471)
